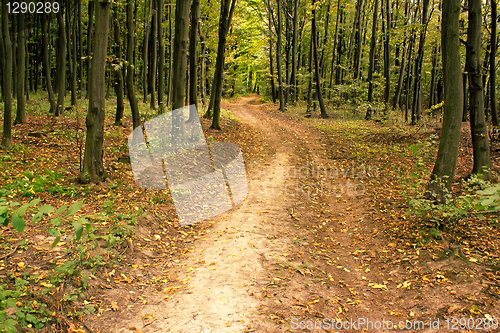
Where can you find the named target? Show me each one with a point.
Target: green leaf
(57, 234)
(61, 209)
(78, 229)
(36, 218)
(46, 209)
(74, 208)
(22, 210)
(18, 222)
(34, 202)
(88, 227)
(56, 221)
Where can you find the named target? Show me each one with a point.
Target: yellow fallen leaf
(114, 306)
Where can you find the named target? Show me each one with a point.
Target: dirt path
(293, 251)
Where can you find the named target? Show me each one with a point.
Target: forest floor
(324, 236)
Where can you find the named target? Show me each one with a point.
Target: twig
(88, 329)
(10, 253)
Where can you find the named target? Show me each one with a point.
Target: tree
(480, 144)
(193, 59)
(61, 68)
(118, 69)
(21, 70)
(446, 160)
(278, 58)
(293, 78)
(136, 121)
(180, 53)
(46, 65)
(93, 169)
(226, 15)
(387, 53)
(373, 45)
(7, 80)
(317, 70)
(161, 58)
(493, 53)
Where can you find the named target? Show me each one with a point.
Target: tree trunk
(493, 52)
(145, 50)
(271, 65)
(46, 65)
(61, 74)
(93, 169)
(161, 58)
(446, 160)
(432, 95)
(224, 24)
(357, 39)
(293, 79)
(417, 84)
(465, 112)
(90, 33)
(278, 59)
(202, 69)
(334, 55)
(193, 60)
(317, 70)
(170, 56)
(387, 54)
(80, 45)
(480, 144)
(118, 70)
(131, 68)
(7, 79)
(180, 53)
(154, 57)
(21, 70)
(373, 45)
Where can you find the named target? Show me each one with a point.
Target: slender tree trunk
(145, 51)
(80, 46)
(493, 53)
(446, 160)
(61, 74)
(118, 71)
(170, 56)
(310, 85)
(202, 66)
(21, 70)
(46, 65)
(465, 113)
(334, 55)
(193, 60)
(131, 68)
(7, 80)
(180, 53)
(2, 60)
(224, 25)
(317, 70)
(432, 94)
(373, 46)
(154, 57)
(480, 144)
(161, 58)
(417, 84)
(90, 34)
(278, 59)
(293, 79)
(93, 169)
(271, 65)
(357, 39)
(387, 55)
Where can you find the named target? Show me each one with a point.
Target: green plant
(489, 199)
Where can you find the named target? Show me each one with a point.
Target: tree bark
(61, 74)
(130, 67)
(180, 53)
(387, 54)
(21, 70)
(224, 24)
(93, 169)
(317, 70)
(90, 34)
(417, 84)
(293, 79)
(46, 65)
(118, 70)
(7, 80)
(493, 52)
(373, 45)
(145, 50)
(154, 57)
(446, 160)
(161, 58)
(480, 144)
(278, 59)
(271, 65)
(193, 60)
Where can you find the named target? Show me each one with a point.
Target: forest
(364, 135)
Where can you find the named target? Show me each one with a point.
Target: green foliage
(27, 185)
(489, 199)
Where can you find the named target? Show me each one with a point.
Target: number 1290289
(32, 7)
